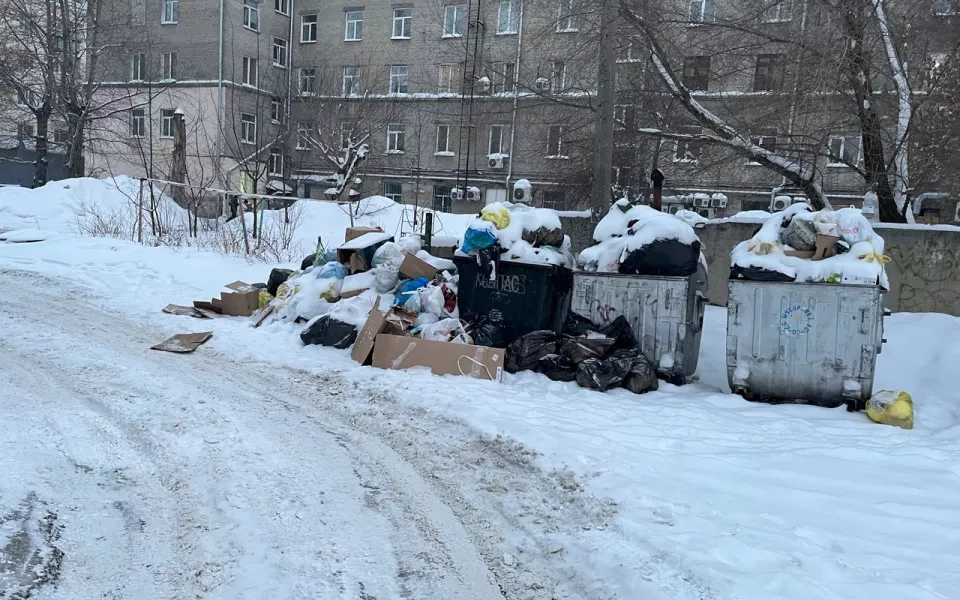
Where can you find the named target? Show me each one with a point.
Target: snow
(685, 493)
(20, 236)
(366, 240)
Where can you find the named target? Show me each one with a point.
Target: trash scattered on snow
(891, 408)
(183, 343)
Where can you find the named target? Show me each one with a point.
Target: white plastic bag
(447, 330)
(425, 319)
(853, 226)
(389, 252)
(431, 300)
(387, 278)
(826, 223)
(410, 244)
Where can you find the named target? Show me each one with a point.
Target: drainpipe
(289, 99)
(516, 97)
(220, 101)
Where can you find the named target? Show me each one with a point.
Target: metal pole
(140, 214)
(606, 96)
(428, 232)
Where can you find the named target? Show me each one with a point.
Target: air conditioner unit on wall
(706, 213)
(673, 209)
(473, 194)
(701, 202)
(542, 84)
(718, 203)
(495, 162)
(456, 194)
(780, 203)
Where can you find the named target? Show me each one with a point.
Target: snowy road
(167, 476)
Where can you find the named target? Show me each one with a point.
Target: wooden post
(657, 177)
(140, 214)
(428, 232)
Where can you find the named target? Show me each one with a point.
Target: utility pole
(606, 97)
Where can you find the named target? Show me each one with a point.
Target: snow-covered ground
(260, 468)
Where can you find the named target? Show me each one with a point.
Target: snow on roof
(278, 186)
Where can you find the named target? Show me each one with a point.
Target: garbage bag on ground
(332, 270)
(431, 300)
(603, 374)
(326, 331)
(800, 234)
(557, 368)
(642, 376)
(524, 352)
(891, 408)
(410, 244)
(591, 345)
(446, 330)
(478, 239)
(391, 252)
(577, 324)
(308, 261)
(487, 329)
(387, 278)
(426, 319)
(409, 290)
(622, 333)
(277, 277)
(667, 258)
(321, 259)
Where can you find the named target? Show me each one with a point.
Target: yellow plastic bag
(891, 408)
(499, 217)
(286, 288)
(762, 248)
(265, 298)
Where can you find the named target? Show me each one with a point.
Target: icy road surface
(132, 473)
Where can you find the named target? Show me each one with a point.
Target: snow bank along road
(131, 473)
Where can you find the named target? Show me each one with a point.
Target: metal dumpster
(814, 343)
(666, 313)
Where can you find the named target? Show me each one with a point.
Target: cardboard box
(413, 268)
(395, 321)
(826, 247)
(355, 232)
(442, 358)
(357, 254)
(800, 253)
(242, 301)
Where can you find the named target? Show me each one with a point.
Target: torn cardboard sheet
(358, 253)
(183, 343)
(242, 301)
(396, 321)
(353, 233)
(414, 268)
(442, 358)
(189, 311)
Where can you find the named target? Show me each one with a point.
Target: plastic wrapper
(387, 278)
(526, 351)
(410, 289)
(426, 319)
(410, 244)
(891, 408)
(446, 330)
(431, 300)
(478, 239)
(826, 223)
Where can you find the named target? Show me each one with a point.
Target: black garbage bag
(577, 325)
(557, 368)
(487, 329)
(642, 376)
(308, 262)
(758, 274)
(488, 262)
(622, 333)
(579, 349)
(526, 351)
(326, 331)
(277, 277)
(667, 258)
(603, 374)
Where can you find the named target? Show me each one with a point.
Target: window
(171, 12)
(308, 29)
(450, 78)
(620, 116)
(844, 151)
(276, 110)
(402, 23)
(441, 198)
(393, 190)
(138, 67)
(696, 73)
(25, 131)
(354, 20)
(279, 52)
(504, 77)
(351, 81)
(166, 123)
(168, 65)
(566, 20)
(703, 11)
(138, 123)
(946, 7)
(303, 135)
(28, 99)
(688, 151)
(248, 128)
(308, 81)
(497, 139)
(552, 199)
(443, 140)
(275, 163)
(779, 11)
(395, 138)
(250, 73)
(60, 136)
(769, 73)
(508, 20)
(251, 15)
(399, 76)
(282, 6)
(558, 76)
(454, 16)
(766, 139)
(628, 50)
(555, 141)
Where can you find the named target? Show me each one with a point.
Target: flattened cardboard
(242, 302)
(183, 343)
(442, 358)
(800, 253)
(826, 247)
(355, 232)
(395, 321)
(412, 268)
(189, 311)
(207, 306)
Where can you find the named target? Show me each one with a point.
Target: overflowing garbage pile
(827, 246)
(639, 240)
(597, 358)
(517, 232)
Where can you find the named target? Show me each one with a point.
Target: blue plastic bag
(331, 270)
(409, 289)
(478, 239)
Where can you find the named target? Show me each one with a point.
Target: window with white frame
(138, 67)
(844, 150)
(308, 81)
(279, 52)
(275, 162)
(688, 150)
(282, 6)
(251, 73)
(248, 128)
(620, 116)
(351, 80)
(395, 138)
(166, 123)
(60, 136)
(303, 135)
(442, 200)
(566, 20)
(308, 29)
(703, 11)
(766, 139)
(558, 76)
(393, 190)
(138, 123)
(399, 79)
(449, 78)
(555, 141)
(454, 20)
(251, 15)
(402, 23)
(168, 65)
(508, 18)
(778, 11)
(944, 8)
(504, 77)
(171, 12)
(276, 110)
(354, 26)
(498, 139)
(443, 140)
(769, 73)
(628, 50)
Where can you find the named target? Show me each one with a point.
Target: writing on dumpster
(507, 284)
(796, 320)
